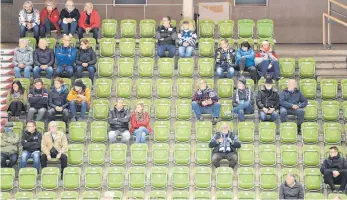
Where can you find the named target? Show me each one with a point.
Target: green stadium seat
(92, 42)
(328, 88)
(126, 67)
(224, 195)
(5, 196)
(51, 43)
(330, 110)
(246, 131)
(109, 28)
(344, 88)
(92, 195)
(127, 47)
(46, 195)
(135, 194)
(183, 131)
(311, 155)
(184, 87)
(289, 155)
(47, 83)
(183, 109)
(331, 196)
(285, 171)
(246, 195)
(144, 88)
(27, 178)
(267, 155)
(137, 177)
(310, 132)
(98, 131)
(72, 178)
(147, 28)
(206, 67)
(245, 28)
(246, 155)
(7, 179)
(18, 128)
(246, 176)
(182, 154)
(225, 88)
(128, 28)
(180, 178)
(31, 42)
(147, 104)
(96, 154)
(145, 67)
(202, 154)
(118, 154)
(67, 82)
(117, 195)
(162, 112)
(206, 47)
(160, 153)
(87, 82)
(147, 47)
(100, 109)
(77, 131)
(203, 130)
(107, 47)
(206, 28)
(24, 196)
(202, 177)
(61, 126)
(265, 28)
(226, 28)
(268, 178)
(268, 195)
(25, 83)
(332, 132)
(49, 178)
(159, 177)
(186, 67)
(157, 194)
(224, 175)
(40, 126)
(283, 84)
(115, 178)
(161, 130)
(288, 132)
(124, 87)
(103, 87)
(164, 88)
(201, 195)
(267, 132)
(166, 67)
(344, 109)
(311, 195)
(226, 106)
(311, 111)
(312, 179)
(307, 68)
(75, 154)
(179, 195)
(93, 177)
(138, 153)
(73, 42)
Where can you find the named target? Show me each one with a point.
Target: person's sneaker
(73, 119)
(215, 120)
(333, 190)
(201, 118)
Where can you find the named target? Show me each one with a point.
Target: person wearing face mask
(225, 60)
(291, 189)
(29, 20)
(57, 101)
(66, 56)
(69, 17)
(79, 99)
(89, 21)
(38, 100)
(166, 35)
(23, 59)
(43, 60)
(186, 40)
(49, 19)
(268, 101)
(9, 146)
(225, 144)
(266, 61)
(243, 100)
(292, 102)
(140, 126)
(245, 60)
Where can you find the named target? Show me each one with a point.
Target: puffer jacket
(38, 98)
(268, 99)
(58, 98)
(225, 56)
(249, 55)
(202, 95)
(295, 192)
(43, 57)
(246, 95)
(65, 55)
(74, 14)
(59, 143)
(119, 119)
(187, 36)
(23, 56)
(31, 141)
(86, 56)
(72, 96)
(9, 142)
(166, 35)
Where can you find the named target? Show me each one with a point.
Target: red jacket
(136, 124)
(53, 17)
(94, 20)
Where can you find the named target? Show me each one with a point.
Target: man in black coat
(58, 101)
(268, 101)
(166, 35)
(38, 100)
(291, 189)
(85, 60)
(119, 119)
(43, 60)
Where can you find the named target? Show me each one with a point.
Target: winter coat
(202, 95)
(119, 119)
(38, 98)
(74, 14)
(260, 55)
(9, 142)
(58, 98)
(33, 17)
(295, 192)
(94, 20)
(187, 36)
(249, 55)
(216, 145)
(53, 17)
(31, 141)
(72, 96)
(59, 143)
(43, 57)
(289, 98)
(22, 98)
(23, 56)
(268, 98)
(86, 56)
(225, 56)
(166, 35)
(65, 55)
(137, 124)
(331, 164)
(246, 95)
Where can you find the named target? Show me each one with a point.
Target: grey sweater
(295, 192)
(23, 56)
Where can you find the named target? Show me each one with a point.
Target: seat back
(245, 28)
(103, 87)
(147, 47)
(127, 47)
(226, 28)
(206, 28)
(109, 28)
(147, 28)
(128, 28)
(265, 28)
(105, 67)
(107, 47)
(100, 109)
(77, 131)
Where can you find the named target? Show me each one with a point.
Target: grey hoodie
(295, 192)
(23, 55)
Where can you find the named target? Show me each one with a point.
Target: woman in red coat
(49, 19)
(89, 21)
(140, 126)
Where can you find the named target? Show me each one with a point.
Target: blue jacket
(65, 55)
(289, 98)
(249, 55)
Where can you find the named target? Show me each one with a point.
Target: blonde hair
(50, 3)
(28, 3)
(191, 26)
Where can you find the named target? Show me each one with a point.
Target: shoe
(73, 119)
(333, 190)
(201, 118)
(215, 120)
(70, 35)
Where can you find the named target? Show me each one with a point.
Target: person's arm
(111, 119)
(72, 95)
(81, 21)
(303, 101)
(301, 193)
(14, 61)
(32, 99)
(250, 55)
(44, 148)
(126, 118)
(50, 100)
(273, 56)
(77, 15)
(64, 143)
(22, 20)
(277, 105)
(31, 60)
(214, 96)
(251, 97)
(65, 97)
(36, 21)
(180, 40)
(235, 103)
(87, 95)
(62, 17)
(51, 61)
(54, 17)
(258, 58)
(281, 193)
(236, 143)
(93, 61)
(78, 62)
(193, 39)
(157, 33)
(217, 55)
(283, 101)
(9, 99)
(72, 56)
(42, 19)
(44, 99)
(133, 121)
(96, 22)
(214, 141)
(36, 62)
(259, 101)
(3, 142)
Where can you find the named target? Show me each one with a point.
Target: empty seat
(328, 88)
(139, 153)
(128, 28)
(24, 196)
(183, 109)
(289, 155)
(107, 47)
(160, 153)
(330, 110)
(61, 126)
(332, 132)
(267, 154)
(267, 132)
(96, 154)
(98, 131)
(147, 47)
(206, 28)
(206, 47)
(182, 154)
(135, 194)
(166, 67)
(307, 67)
(180, 178)
(283, 84)
(162, 108)
(77, 131)
(312, 179)
(287, 67)
(146, 67)
(224, 195)
(183, 131)
(311, 155)
(184, 87)
(144, 88)
(72, 178)
(159, 177)
(40, 126)
(206, 67)
(103, 87)
(224, 177)
(127, 47)
(201, 195)
(246, 155)
(18, 128)
(344, 88)
(124, 87)
(92, 195)
(311, 111)
(157, 194)
(147, 28)
(126, 67)
(311, 195)
(344, 109)
(7, 178)
(118, 153)
(47, 83)
(115, 178)
(309, 132)
(246, 131)
(268, 195)
(225, 108)
(109, 28)
(203, 130)
(50, 177)
(185, 67)
(332, 196)
(265, 28)
(268, 178)
(100, 109)
(93, 177)
(75, 154)
(225, 88)
(246, 195)
(27, 178)
(46, 195)
(202, 177)
(288, 132)
(226, 28)
(137, 177)
(179, 195)
(161, 131)
(51, 43)
(245, 28)
(202, 154)
(246, 178)
(164, 88)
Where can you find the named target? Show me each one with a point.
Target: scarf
(16, 95)
(140, 116)
(225, 145)
(246, 96)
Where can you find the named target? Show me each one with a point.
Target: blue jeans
(60, 69)
(166, 47)
(95, 32)
(225, 67)
(35, 29)
(300, 113)
(185, 52)
(72, 26)
(263, 68)
(37, 70)
(18, 70)
(90, 69)
(141, 134)
(242, 109)
(213, 109)
(36, 156)
(265, 117)
(46, 27)
(83, 107)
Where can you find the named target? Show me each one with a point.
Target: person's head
(31, 126)
(52, 126)
(224, 128)
(119, 103)
(88, 7)
(337, 198)
(66, 40)
(292, 85)
(245, 46)
(265, 45)
(187, 26)
(28, 6)
(69, 5)
(202, 84)
(333, 151)
(42, 43)
(22, 43)
(224, 43)
(268, 83)
(241, 83)
(38, 83)
(139, 107)
(17, 87)
(8, 127)
(58, 82)
(84, 44)
(78, 86)
(166, 21)
(50, 5)
(290, 179)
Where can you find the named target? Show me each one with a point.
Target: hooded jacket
(86, 56)
(23, 56)
(137, 124)
(59, 143)
(9, 142)
(246, 95)
(72, 96)
(94, 20)
(166, 35)
(65, 55)
(268, 98)
(58, 98)
(33, 17)
(43, 57)
(234, 145)
(290, 98)
(225, 56)
(202, 95)
(74, 14)
(119, 119)
(38, 98)
(53, 17)
(249, 55)
(295, 192)
(337, 163)
(31, 141)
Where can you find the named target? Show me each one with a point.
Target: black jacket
(31, 141)
(119, 120)
(295, 192)
(225, 56)
(86, 56)
(58, 98)
(268, 99)
(337, 163)
(43, 57)
(73, 14)
(166, 35)
(288, 98)
(216, 145)
(38, 98)
(246, 95)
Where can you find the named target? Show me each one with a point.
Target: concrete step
(332, 73)
(6, 58)
(7, 72)
(6, 51)
(6, 79)
(309, 53)
(4, 65)
(331, 66)
(3, 93)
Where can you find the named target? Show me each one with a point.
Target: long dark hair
(20, 87)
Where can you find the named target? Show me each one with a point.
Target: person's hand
(81, 96)
(21, 65)
(43, 67)
(85, 64)
(69, 20)
(295, 107)
(59, 109)
(185, 44)
(336, 173)
(265, 110)
(209, 102)
(204, 103)
(29, 25)
(58, 156)
(220, 140)
(87, 30)
(271, 110)
(241, 72)
(49, 157)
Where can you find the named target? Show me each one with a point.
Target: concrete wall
(296, 21)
